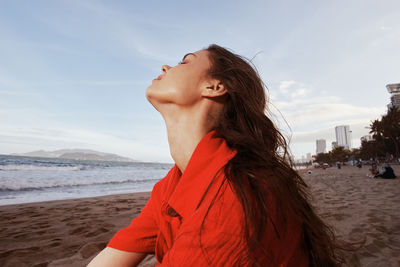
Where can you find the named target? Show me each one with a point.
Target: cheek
(186, 90)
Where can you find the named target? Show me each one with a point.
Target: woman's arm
(140, 235)
(110, 257)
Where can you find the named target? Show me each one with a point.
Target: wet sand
(72, 232)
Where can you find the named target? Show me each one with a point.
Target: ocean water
(32, 179)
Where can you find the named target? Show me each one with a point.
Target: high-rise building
(343, 136)
(321, 146)
(367, 138)
(309, 157)
(394, 90)
(334, 145)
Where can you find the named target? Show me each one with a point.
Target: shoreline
(71, 232)
(301, 171)
(73, 199)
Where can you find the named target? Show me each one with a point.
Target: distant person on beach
(232, 197)
(388, 172)
(373, 170)
(338, 165)
(359, 164)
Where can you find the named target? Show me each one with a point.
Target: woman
(232, 198)
(388, 172)
(373, 170)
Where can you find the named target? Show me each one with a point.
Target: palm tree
(391, 127)
(387, 129)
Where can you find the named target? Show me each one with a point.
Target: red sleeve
(141, 234)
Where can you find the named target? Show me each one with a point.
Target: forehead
(201, 55)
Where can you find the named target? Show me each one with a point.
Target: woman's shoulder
(225, 212)
(162, 187)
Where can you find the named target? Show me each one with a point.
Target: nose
(165, 68)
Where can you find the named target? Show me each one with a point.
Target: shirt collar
(209, 156)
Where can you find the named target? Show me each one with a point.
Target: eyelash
(181, 62)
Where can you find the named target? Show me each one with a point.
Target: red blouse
(195, 219)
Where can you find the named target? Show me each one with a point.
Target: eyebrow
(187, 55)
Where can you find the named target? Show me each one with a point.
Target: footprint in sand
(54, 244)
(41, 225)
(18, 252)
(375, 246)
(367, 254)
(72, 224)
(78, 230)
(340, 216)
(97, 232)
(43, 264)
(20, 236)
(41, 232)
(82, 209)
(121, 209)
(382, 229)
(90, 249)
(356, 231)
(66, 219)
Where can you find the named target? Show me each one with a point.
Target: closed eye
(181, 62)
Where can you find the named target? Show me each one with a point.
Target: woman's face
(181, 84)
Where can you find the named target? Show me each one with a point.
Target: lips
(159, 77)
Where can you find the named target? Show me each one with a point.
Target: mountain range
(77, 154)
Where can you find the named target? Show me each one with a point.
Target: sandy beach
(357, 207)
(72, 232)
(65, 232)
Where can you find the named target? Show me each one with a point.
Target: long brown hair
(262, 163)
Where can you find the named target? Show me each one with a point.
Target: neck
(185, 130)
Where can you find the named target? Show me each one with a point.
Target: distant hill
(78, 154)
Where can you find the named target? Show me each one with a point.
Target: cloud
(304, 107)
(284, 86)
(311, 115)
(328, 113)
(292, 89)
(301, 92)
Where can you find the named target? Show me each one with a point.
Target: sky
(73, 74)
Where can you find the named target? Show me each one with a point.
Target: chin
(151, 93)
(147, 93)
(151, 98)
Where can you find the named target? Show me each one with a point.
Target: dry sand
(360, 207)
(65, 232)
(71, 232)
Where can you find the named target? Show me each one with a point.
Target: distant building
(367, 138)
(343, 136)
(334, 145)
(309, 158)
(394, 90)
(321, 146)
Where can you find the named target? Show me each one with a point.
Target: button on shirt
(195, 219)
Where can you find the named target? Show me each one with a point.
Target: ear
(214, 89)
